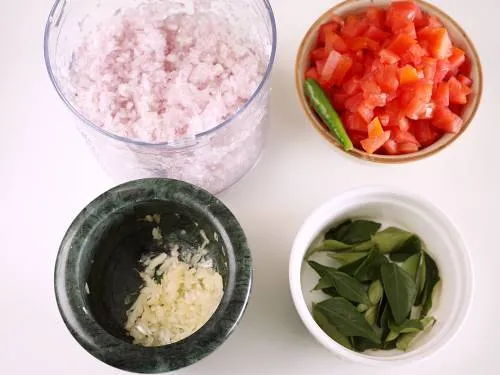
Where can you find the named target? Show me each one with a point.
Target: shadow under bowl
(459, 38)
(97, 278)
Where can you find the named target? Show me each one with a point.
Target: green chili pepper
(324, 109)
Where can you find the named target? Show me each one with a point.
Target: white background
(47, 176)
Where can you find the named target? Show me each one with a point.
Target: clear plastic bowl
(214, 159)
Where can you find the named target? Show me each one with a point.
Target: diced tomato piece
(338, 100)
(401, 44)
(407, 148)
(388, 57)
(354, 26)
(387, 78)
(418, 94)
(436, 41)
(414, 55)
(318, 54)
(425, 133)
(404, 137)
(442, 94)
(330, 65)
(446, 120)
(429, 66)
(377, 100)
(375, 128)
(420, 19)
(458, 92)
(365, 110)
(320, 64)
(343, 67)
(370, 145)
(433, 21)
(391, 147)
(335, 42)
(312, 73)
(426, 112)
(442, 70)
(466, 67)
(456, 108)
(465, 80)
(362, 42)
(376, 17)
(369, 86)
(376, 34)
(392, 116)
(356, 137)
(408, 74)
(400, 14)
(354, 102)
(325, 29)
(457, 58)
(409, 30)
(352, 86)
(354, 122)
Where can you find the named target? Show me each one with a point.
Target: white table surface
(47, 175)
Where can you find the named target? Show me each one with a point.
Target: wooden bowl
(459, 38)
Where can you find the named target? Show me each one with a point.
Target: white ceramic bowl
(391, 207)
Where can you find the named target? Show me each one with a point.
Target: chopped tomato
(400, 14)
(401, 44)
(457, 58)
(355, 122)
(408, 74)
(312, 73)
(341, 70)
(391, 147)
(442, 94)
(362, 42)
(376, 17)
(407, 148)
(376, 34)
(388, 57)
(425, 133)
(446, 120)
(393, 70)
(436, 41)
(330, 65)
(318, 54)
(354, 26)
(404, 137)
(365, 110)
(442, 70)
(335, 42)
(458, 91)
(370, 145)
(325, 29)
(375, 128)
(429, 66)
(465, 80)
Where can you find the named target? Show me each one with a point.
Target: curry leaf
(346, 286)
(391, 336)
(411, 246)
(411, 264)
(338, 232)
(347, 320)
(405, 340)
(371, 315)
(400, 289)
(358, 231)
(390, 239)
(346, 258)
(369, 270)
(375, 292)
(329, 328)
(323, 283)
(350, 268)
(431, 280)
(362, 308)
(408, 326)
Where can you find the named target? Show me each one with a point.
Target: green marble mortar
(96, 270)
